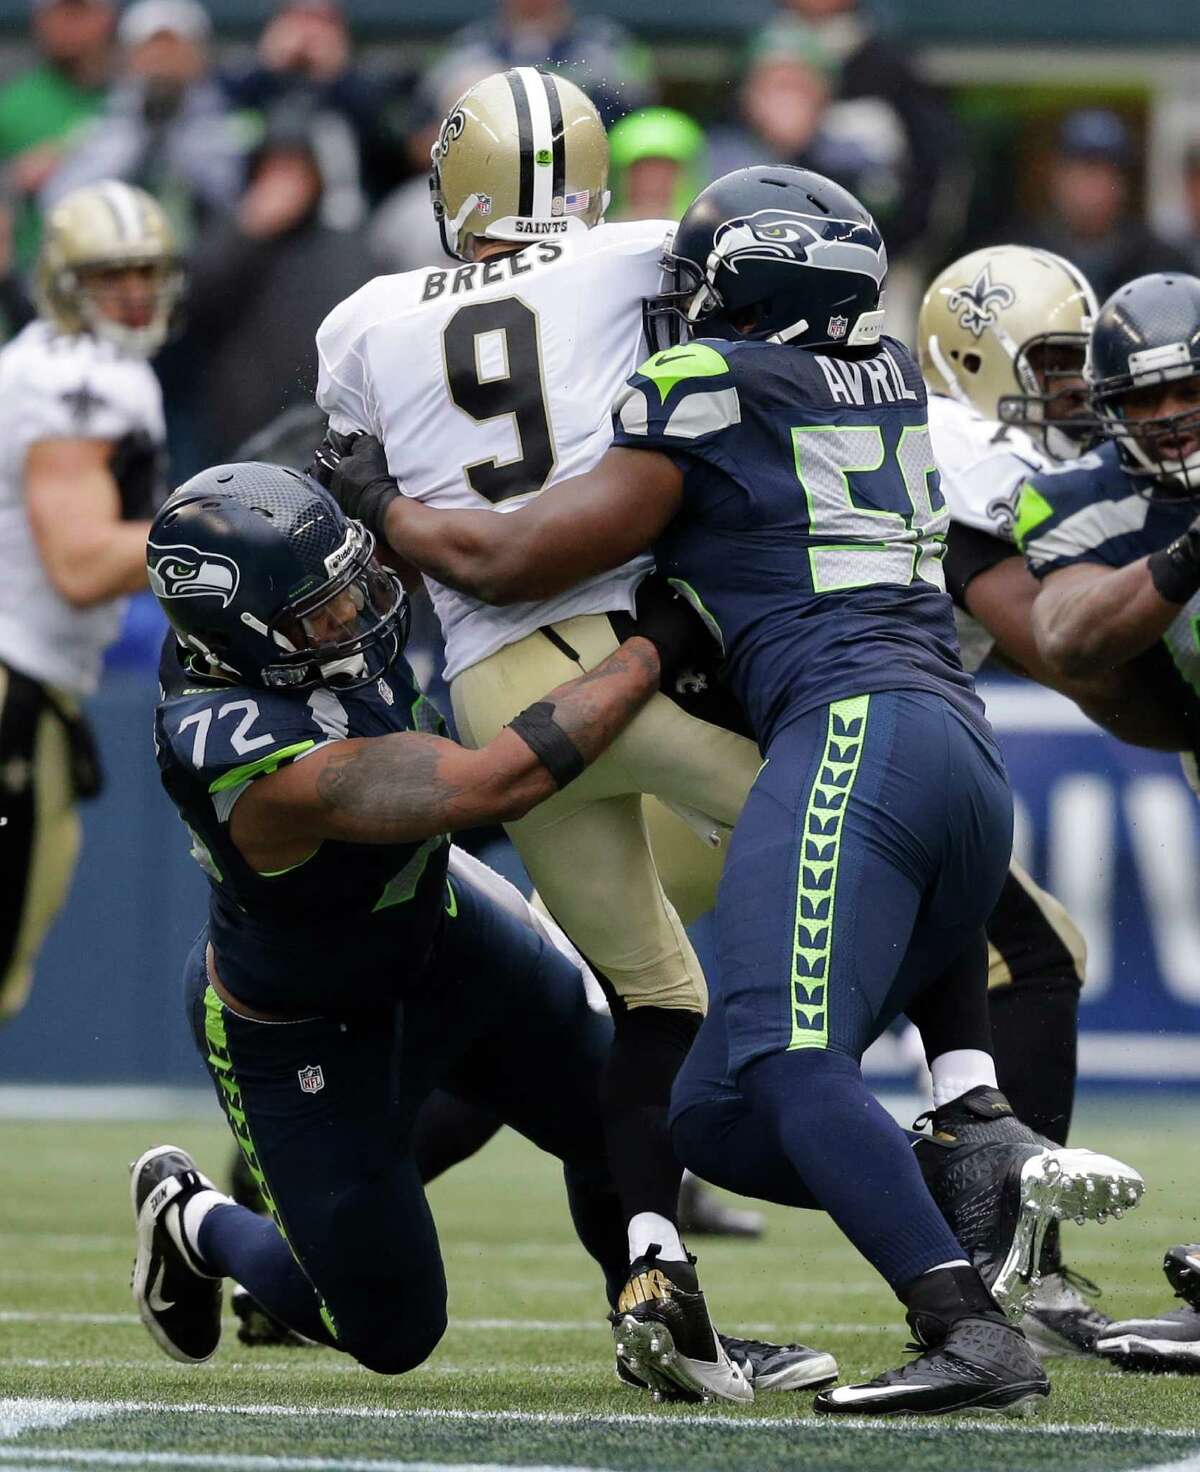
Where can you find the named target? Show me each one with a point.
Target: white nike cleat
(178, 1300)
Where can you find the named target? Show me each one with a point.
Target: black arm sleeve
(968, 553)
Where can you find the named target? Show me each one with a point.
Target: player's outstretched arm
(582, 526)
(1089, 620)
(1121, 700)
(410, 786)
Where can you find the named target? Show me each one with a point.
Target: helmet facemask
(1053, 406)
(1155, 446)
(345, 633)
(95, 291)
(685, 301)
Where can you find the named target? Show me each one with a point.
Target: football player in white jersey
(481, 380)
(1001, 337)
(81, 442)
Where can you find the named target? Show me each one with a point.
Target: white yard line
(87, 1458)
(19, 1416)
(519, 1326)
(585, 1419)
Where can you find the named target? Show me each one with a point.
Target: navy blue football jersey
(1093, 510)
(812, 527)
(348, 927)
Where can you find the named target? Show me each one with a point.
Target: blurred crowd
(294, 171)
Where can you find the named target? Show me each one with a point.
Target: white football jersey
(983, 464)
(58, 387)
(486, 380)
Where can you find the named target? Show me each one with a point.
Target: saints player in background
(1114, 540)
(781, 468)
(81, 444)
(1005, 329)
(486, 381)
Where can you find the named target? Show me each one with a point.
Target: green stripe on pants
(221, 1063)
(816, 881)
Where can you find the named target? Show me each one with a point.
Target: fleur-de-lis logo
(979, 304)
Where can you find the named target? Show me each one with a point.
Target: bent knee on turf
(394, 1349)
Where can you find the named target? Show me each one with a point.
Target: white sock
(648, 1227)
(959, 1070)
(189, 1217)
(957, 1262)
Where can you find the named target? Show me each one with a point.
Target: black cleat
(1182, 1267)
(983, 1364)
(258, 1326)
(702, 1213)
(780, 1366)
(1060, 1321)
(665, 1338)
(1000, 1186)
(178, 1300)
(1170, 1342)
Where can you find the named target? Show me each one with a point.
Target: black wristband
(538, 729)
(1175, 570)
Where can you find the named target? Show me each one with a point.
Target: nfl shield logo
(837, 327)
(312, 1080)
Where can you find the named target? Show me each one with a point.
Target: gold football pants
(588, 849)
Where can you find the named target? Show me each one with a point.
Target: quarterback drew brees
(81, 443)
(509, 362)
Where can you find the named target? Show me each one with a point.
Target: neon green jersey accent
(816, 883)
(1032, 510)
(672, 366)
(451, 901)
(264, 764)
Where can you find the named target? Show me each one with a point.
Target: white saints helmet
(520, 156)
(90, 234)
(1004, 330)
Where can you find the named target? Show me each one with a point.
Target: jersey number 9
(493, 356)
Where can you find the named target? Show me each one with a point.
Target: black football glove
(1175, 570)
(676, 630)
(353, 468)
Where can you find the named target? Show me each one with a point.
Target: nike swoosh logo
(154, 1296)
(850, 1394)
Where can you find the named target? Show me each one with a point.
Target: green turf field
(523, 1377)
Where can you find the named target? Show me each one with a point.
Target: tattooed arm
(409, 786)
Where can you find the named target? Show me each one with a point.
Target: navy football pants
(868, 857)
(352, 1259)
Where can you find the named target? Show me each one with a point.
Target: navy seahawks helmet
(1148, 334)
(774, 253)
(264, 578)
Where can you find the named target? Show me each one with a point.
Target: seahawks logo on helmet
(810, 240)
(185, 572)
(978, 305)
